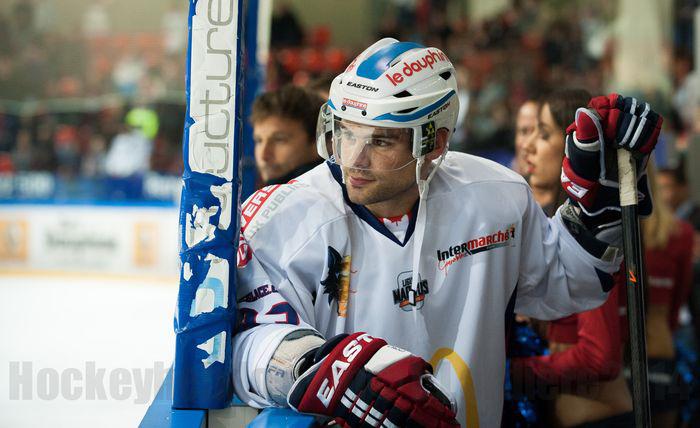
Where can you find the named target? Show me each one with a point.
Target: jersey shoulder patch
(292, 202)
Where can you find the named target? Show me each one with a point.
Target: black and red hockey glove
(360, 381)
(589, 170)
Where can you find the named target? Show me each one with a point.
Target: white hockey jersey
(310, 259)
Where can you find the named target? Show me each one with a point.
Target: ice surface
(94, 348)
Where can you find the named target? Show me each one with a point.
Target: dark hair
(563, 104)
(290, 102)
(321, 84)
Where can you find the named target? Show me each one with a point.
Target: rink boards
(118, 240)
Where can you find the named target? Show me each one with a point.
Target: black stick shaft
(634, 264)
(635, 315)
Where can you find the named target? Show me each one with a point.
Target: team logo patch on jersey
(455, 253)
(337, 283)
(406, 296)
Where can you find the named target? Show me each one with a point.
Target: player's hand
(589, 171)
(359, 380)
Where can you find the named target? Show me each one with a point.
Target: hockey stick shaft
(634, 263)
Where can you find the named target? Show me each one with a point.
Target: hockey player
(374, 289)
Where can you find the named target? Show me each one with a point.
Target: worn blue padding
(378, 62)
(274, 417)
(416, 114)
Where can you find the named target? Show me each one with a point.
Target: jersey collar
(363, 213)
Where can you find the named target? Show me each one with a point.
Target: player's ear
(440, 144)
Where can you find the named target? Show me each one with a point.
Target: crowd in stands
(64, 96)
(502, 61)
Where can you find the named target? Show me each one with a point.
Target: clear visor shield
(371, 148)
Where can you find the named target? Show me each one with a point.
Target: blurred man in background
(284, 130)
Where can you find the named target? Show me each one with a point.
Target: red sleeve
(683, 250)
(596, 356)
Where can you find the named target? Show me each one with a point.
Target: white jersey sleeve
(557, 276)
(267, 313)
(278, 263)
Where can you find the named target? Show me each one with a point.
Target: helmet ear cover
(428, 135)
(324, 132)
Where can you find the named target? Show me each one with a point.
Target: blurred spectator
(6, 36)
(23, 23)
(67, 151)
(405, 12)
(284, 130)
(459, 138)
(174, 27)
(321, 85)
(668, 244)
(6, 167)
(44, 16)
(96, 20)
(22, 156)
(583, 369)
(44, 156)
(525, 130)
(94, 161)
(675, 193)
(545, 153)
(286, 29)
(130, 151)
(128, 73)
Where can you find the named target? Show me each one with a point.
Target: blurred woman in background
(582, 373)
(525, 130)
(668, 244)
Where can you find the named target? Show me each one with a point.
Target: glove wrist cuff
(602, 241)
(292, 357)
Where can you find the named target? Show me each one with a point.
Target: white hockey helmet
(393, 84)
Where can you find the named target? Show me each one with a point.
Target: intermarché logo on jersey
(406, 296)
(455, 253)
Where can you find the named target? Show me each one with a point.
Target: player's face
(525, 131)
(545, 154)
(380, 174)
(281, 146)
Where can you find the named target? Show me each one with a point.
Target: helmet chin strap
(421, 217)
